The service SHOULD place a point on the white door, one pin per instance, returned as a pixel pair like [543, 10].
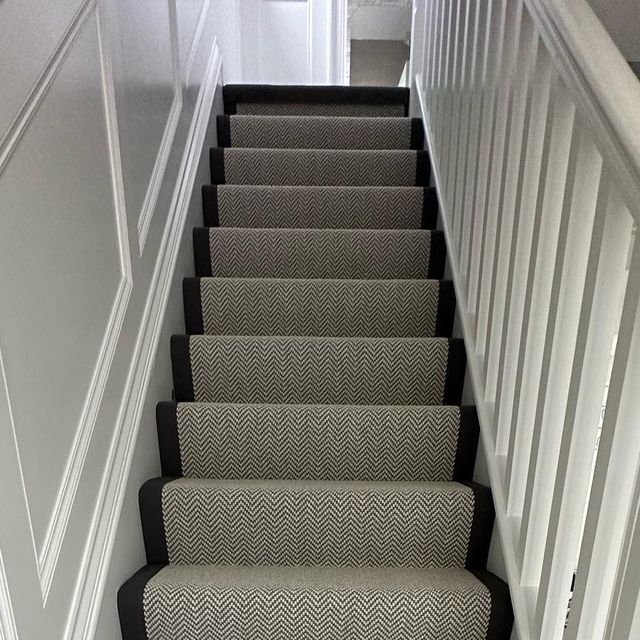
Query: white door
[291, 41]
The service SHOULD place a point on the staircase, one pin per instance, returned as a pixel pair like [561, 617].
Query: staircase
[317, 463]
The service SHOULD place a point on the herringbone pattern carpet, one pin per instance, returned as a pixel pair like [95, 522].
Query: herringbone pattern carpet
[263, 206]
[316, 469]
[306, 370]
[312, 307]
[317, 442]
[282, 603]
[315, 523]
[309, 132]
[320, 167]
[320, 253]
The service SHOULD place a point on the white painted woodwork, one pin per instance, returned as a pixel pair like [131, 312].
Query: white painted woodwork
[531, 115]
[104, 111]
[292, 41]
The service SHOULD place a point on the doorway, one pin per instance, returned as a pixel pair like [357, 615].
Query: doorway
[378, 42]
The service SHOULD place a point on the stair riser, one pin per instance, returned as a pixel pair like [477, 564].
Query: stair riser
[319, 167]
[264, 307]
[298, 442]
[263, 206]
[304, 132]
[323, 101]
[315, 524]
[419, 371]
[324, 253]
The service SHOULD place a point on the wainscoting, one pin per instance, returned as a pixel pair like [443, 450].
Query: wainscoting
[102, 123]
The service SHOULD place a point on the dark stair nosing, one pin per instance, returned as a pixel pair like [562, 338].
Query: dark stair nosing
[168, 439]
[456, 368]
[430, 208]
[181, 366]
[131, 603]
[437, 255]
[446, 309]
[234, 93]
[192, 297]
[481, 526]
[501, 617]
[201, 252]
[216, 163]
[151, 517]
[210, 215]
[467, 446]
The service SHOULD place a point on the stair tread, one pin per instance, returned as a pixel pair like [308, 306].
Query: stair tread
[321, 602]
[316, 522]
[319, 253]
[295, 206]
[319, 132]
[330, 307]
[324, 577]
[319, 166]
[339, 442]
[309, 369]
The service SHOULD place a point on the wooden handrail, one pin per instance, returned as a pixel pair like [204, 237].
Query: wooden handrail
[603, 83]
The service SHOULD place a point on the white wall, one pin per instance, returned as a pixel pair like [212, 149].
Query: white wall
[622, 20]
[289, 41]
[103, 115]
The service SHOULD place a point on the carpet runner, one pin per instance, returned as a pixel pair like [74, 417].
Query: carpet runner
[317, 464]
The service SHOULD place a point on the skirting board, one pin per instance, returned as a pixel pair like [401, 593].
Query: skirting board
[85, 608]
[518, 594]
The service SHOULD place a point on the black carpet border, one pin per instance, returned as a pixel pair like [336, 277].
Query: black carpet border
[501, 618]
[417, 134]
[437, 254]
[429, 208]
[131, 603]
[181, 365]
[481, 526]
[216, 162]
[153, 532]
[192, 298]
[223, 124]
[423, 169]
[232, 94]
[467, 447]
[201, 252]
[454, 378]
[210, 213]
[168, 440]
[446, 309]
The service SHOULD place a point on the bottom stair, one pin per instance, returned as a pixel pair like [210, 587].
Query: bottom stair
[189, 602]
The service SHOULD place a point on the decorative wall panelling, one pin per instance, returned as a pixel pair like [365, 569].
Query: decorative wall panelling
[81, 311]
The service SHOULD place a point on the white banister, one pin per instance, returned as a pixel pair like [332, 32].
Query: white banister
[533, 123]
